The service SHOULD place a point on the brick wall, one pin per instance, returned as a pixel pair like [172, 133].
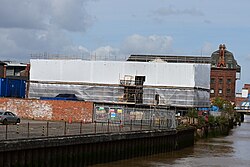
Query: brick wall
[49, 109]
[228, 88]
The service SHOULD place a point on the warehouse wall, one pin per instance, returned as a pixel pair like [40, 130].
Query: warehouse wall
[49, 109]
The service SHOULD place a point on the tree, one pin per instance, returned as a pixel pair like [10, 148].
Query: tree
[192, 113]
[219, 102]
[226, 108]
[224, 105]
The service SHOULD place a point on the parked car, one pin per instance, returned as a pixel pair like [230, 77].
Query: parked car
[7, 117]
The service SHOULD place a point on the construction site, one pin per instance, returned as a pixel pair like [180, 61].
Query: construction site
[124, 89]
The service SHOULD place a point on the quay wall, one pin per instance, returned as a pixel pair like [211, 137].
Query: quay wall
[51, 110]
[85, 150]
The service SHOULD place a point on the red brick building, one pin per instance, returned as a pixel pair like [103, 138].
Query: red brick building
[224, 73]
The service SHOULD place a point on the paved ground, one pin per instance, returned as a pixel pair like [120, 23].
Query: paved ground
[34, 128]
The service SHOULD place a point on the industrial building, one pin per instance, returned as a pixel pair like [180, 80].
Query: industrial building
[224, 73]
[123, 82]
[125, 90]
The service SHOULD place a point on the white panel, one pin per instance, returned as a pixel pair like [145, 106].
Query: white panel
[44, 69]
[245, 93]
[107, 72]
[110, 72]
[202, 76]
[75, 71]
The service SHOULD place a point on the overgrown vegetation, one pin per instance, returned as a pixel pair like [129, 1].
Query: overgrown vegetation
[226, 120]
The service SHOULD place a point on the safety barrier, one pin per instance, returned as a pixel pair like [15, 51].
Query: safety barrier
[34, 129]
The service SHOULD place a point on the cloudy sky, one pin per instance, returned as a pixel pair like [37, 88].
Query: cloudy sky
[117, 28]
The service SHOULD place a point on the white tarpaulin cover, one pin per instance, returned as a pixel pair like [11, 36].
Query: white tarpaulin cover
[177, 84]
[110, 72]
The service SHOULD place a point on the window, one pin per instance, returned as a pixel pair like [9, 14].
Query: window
[220, 91]
[228, 91]
[220, 81]
[212, 91]
[228, 81]
[10, 72]
[212, 80]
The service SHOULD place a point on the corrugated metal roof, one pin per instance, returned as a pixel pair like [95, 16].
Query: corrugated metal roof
[169, 58]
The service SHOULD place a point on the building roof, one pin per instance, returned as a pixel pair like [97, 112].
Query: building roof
[169, 58]
[230, 62]
[2, 63]
[13, 64]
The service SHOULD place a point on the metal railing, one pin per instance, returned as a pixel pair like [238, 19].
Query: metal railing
[37, 129]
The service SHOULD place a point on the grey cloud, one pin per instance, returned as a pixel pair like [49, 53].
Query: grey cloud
[41, 14]
[20, 43]
[107, 52]
[22, 14]
[8, 47]
[167, 11]
[70, 16]
[147, 44]
[39, 40]
[135, 44]
[37, 26]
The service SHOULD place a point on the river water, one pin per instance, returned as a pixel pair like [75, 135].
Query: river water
[229, 151]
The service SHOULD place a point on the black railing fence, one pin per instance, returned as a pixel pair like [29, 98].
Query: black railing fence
[35, 129]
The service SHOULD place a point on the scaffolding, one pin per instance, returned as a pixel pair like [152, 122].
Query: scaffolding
[132, 94]
[147, 83]
[133, 88]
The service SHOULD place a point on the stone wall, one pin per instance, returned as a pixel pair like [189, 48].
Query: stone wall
[53, 110]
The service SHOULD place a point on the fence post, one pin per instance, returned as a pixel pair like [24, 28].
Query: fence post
[43, 133]
[153, 122]
[28, 129]
[131, 125]
[17, 129]
[65, 126]
[141, 125]
[159, 123]
[81, 127]
[95, 126]
[108, 126]
[6, 131]
[150, 124]
[47, 129]
[120, 127]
